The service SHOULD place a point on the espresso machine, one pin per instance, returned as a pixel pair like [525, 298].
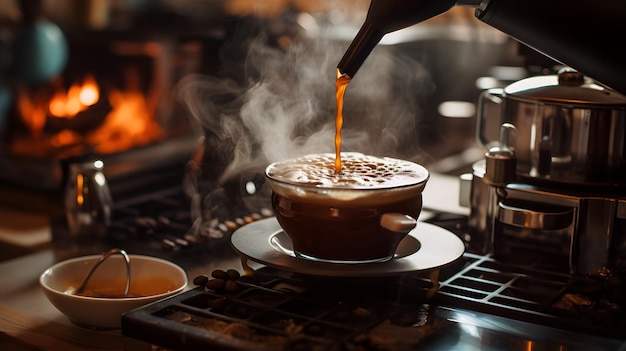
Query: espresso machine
[552, 184]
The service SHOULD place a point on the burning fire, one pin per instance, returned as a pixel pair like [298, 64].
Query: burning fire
[129, 121]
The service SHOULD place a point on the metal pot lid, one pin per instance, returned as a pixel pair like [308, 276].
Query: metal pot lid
[568, 87]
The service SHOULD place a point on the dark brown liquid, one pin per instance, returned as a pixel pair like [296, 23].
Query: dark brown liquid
[340, 91]
[341, 234]
[114, 287]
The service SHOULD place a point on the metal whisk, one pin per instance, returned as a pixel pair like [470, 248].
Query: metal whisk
[102, 258]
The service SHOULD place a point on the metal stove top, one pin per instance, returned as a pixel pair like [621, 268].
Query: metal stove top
[481, 303]
[277, 310]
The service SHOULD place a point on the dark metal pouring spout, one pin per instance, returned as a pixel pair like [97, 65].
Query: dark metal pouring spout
[360, 48]
[385, 16]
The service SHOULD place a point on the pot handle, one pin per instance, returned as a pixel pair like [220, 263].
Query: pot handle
[398, 222]
[489, 102]
[525, 218]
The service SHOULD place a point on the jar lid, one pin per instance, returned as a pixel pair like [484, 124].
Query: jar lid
[568, 87]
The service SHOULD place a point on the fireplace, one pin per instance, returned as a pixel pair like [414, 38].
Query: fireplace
[115, 100]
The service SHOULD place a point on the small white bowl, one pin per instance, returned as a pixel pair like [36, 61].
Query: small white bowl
[152, 278]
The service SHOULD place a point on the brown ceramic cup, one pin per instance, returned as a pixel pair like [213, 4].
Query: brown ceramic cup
[359, 215]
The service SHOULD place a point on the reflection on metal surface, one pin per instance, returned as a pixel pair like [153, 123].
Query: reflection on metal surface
[480, 331]
[528, 218]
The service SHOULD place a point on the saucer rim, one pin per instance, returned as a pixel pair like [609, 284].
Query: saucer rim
[253, 241]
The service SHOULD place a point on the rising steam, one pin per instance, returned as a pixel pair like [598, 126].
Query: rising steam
[275, 99]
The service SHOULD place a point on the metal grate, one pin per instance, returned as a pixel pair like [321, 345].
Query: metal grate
[276, 310]
[161, 223]
[523, 293]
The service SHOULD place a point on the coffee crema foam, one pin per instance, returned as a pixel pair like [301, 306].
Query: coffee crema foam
[358, 171]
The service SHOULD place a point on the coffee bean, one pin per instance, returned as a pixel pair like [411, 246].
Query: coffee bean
[215, 284]
[219, 274]
[233, 274]
[200, 280]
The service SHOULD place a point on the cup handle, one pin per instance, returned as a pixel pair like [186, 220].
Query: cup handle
[398, 222]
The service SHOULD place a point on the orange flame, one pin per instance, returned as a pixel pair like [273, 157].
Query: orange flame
[78, 98]
[129, 123]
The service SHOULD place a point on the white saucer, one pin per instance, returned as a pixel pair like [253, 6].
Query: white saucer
[426, 247]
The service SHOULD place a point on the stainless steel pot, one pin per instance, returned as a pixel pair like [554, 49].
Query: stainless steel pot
[567, 129]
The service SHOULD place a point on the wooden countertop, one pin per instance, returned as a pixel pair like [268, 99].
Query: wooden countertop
[22, 232]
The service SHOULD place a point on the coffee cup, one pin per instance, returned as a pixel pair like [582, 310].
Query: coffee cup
[357, 215]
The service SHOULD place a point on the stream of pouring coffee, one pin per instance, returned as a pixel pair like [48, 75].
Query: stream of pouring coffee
[341, 85]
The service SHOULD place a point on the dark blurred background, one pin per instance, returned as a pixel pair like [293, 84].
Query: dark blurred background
[148, 85]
